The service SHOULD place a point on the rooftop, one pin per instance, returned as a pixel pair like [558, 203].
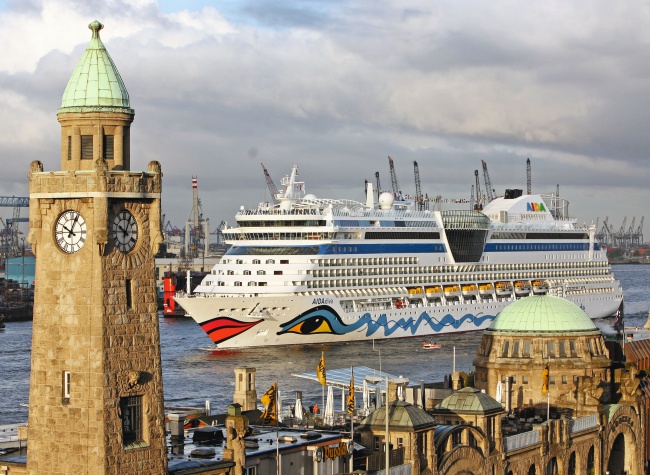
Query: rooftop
[402, 415]
[469, 401]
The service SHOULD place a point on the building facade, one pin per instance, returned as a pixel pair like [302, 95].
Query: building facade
[547, 400]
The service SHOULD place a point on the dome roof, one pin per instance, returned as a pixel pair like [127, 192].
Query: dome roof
[469, 401]
[542, 313]
[402, 415]
[95, 84]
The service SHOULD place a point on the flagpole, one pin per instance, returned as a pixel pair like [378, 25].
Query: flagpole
[352, 421]
[322, 388]
[278, 467]
[548, 390]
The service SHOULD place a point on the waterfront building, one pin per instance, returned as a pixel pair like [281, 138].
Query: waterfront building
[542, 356]
[96, 399]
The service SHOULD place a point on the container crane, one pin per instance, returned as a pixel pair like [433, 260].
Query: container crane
[393, 178]
[272, 189]
[10, 245]
[637, 237]
[488, 184]
[528, 179]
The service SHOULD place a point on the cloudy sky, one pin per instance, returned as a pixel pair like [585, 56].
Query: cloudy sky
[219, 87]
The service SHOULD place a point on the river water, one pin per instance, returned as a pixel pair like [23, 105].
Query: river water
[193, 373]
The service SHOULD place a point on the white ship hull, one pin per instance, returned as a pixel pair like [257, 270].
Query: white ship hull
[306, 270]
[301, 316]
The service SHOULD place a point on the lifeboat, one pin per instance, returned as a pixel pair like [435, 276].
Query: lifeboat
[503, 288]
[522, 288]
[540, 287]
[427, 345]
[469, 290]
[485, 289]
[452, 291]
[415, 292]
[434, 292]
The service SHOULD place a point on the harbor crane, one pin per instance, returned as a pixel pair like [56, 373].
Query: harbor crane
[272, 189]
[9, 240]
[478, 205]
[528, 179]
[221, 242]
[488, 184]
[197, 229]
[393, 178]
[419, 199]
[378, 185]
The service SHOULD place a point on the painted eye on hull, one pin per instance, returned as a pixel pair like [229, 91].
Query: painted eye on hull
[317, 320]
[315, 324]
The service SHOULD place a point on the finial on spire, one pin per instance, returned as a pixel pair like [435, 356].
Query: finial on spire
[95, 26]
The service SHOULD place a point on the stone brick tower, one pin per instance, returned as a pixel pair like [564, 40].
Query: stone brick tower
[245, 393]
[96, 397]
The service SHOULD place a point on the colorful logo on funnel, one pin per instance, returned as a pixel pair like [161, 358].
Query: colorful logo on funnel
[535, 207]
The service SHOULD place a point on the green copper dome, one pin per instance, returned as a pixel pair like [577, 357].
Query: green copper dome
[469, 401]
[96, 85]
[542, 313]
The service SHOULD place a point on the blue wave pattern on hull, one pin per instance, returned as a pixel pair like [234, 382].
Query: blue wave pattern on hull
[323, 319]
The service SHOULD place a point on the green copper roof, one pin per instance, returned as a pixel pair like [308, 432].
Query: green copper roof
[95, 84]
[402, 415]
[469, 401]
[542, 313]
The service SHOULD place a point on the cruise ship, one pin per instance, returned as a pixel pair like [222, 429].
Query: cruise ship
[307, 270]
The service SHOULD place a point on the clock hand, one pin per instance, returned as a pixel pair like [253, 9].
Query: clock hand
[70, 232]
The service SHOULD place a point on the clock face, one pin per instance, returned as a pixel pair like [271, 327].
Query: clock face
[125, 231]
[70, 231]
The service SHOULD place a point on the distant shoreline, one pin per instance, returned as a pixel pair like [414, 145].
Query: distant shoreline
[629, 261]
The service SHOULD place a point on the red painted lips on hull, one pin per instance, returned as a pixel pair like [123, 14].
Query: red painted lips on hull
[223, 328]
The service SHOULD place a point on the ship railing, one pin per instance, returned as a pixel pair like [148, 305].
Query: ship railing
[281, 212]
[366, 213]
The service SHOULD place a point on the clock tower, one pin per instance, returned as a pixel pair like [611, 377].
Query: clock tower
[96, 395]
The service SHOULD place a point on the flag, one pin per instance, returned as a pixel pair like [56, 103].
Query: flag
[268, 400]
[320, 370]
[351, 394]
[545, 379]
[619, 321]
